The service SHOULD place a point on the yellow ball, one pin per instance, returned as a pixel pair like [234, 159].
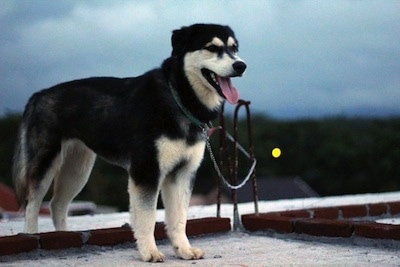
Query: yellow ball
[276, 152]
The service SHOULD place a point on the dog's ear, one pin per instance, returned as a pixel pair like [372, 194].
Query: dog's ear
[179, 40]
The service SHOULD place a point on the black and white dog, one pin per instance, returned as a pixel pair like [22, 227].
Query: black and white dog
[151, 125]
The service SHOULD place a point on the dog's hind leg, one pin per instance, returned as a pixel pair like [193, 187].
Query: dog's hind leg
[77, 163]
[143, 203]
[36, 192]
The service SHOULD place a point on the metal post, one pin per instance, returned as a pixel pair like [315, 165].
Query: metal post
[233, 168]
[252, 157]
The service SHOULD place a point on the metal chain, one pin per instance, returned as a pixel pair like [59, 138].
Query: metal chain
[216, 167]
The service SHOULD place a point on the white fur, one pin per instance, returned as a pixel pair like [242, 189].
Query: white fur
[171, 152]
[176, 192]
[70, 171]
[143, 218]
[20, 164]
[216, 41]
[36, 195]
[77, 163]
[231, 41]
[205, 91]
[22, 168]
[199, 59]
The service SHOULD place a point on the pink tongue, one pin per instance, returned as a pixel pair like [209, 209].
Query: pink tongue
[230, 92]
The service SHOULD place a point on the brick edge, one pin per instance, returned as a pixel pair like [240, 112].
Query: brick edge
[330, 221]
[101, 237]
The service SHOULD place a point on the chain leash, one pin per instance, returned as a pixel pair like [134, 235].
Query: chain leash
[216, 167]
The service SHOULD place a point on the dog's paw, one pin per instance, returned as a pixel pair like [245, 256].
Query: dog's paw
[153, 256]
[189, 253]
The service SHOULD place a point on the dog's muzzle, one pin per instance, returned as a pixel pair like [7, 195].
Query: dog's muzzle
[239, 67]
[223, 85]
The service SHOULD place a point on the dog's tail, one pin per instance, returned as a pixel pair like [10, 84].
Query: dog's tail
[19, 169]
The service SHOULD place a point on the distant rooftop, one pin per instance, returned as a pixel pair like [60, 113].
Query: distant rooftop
[274, 188]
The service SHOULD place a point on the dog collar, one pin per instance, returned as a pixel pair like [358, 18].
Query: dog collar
[188, 114]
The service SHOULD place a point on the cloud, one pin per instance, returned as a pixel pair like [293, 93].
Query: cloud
[326, 59]
[305, 58]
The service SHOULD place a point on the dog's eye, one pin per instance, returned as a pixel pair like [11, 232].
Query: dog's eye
[213, 48]
[234, 49]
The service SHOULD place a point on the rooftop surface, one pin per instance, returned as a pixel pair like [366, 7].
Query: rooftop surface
[239, 248]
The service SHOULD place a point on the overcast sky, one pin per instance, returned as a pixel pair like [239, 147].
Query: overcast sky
[305, 58]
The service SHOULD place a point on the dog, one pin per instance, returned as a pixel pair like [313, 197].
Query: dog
[152, 126]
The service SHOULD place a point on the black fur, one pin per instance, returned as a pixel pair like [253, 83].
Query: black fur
[120, 120]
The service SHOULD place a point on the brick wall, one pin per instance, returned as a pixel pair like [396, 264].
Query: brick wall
[331, 221]
[101, 237]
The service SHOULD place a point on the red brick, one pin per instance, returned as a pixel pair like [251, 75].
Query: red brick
[377, 209]
[159, 231]
[18, 243]
[209, 225]
[377, 230]
[326, 213]
[296, 213]
[274, 213]
[394, 207]
[262, 222]
[324, 227]
[60, 240]
[352, 211]
[110, 236]
[195, 227]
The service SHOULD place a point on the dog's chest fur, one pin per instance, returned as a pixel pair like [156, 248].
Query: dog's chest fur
[178, 152]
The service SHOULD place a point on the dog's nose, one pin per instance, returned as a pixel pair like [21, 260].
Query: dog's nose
[239, 67]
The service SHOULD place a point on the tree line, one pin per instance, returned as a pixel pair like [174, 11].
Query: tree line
[336, 155]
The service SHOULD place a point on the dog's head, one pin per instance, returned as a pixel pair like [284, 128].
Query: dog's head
[210, 56]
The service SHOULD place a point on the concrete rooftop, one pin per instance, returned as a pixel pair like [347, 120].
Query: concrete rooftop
[240, 248]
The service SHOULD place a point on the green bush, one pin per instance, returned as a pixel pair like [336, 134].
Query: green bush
[335, 156]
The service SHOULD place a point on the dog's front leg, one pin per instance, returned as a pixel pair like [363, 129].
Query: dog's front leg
[176, 194]
[143, 218]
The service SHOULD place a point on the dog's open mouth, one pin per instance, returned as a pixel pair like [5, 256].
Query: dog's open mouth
[223, 85]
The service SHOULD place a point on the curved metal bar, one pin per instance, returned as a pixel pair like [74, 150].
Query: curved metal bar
[233, 166]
